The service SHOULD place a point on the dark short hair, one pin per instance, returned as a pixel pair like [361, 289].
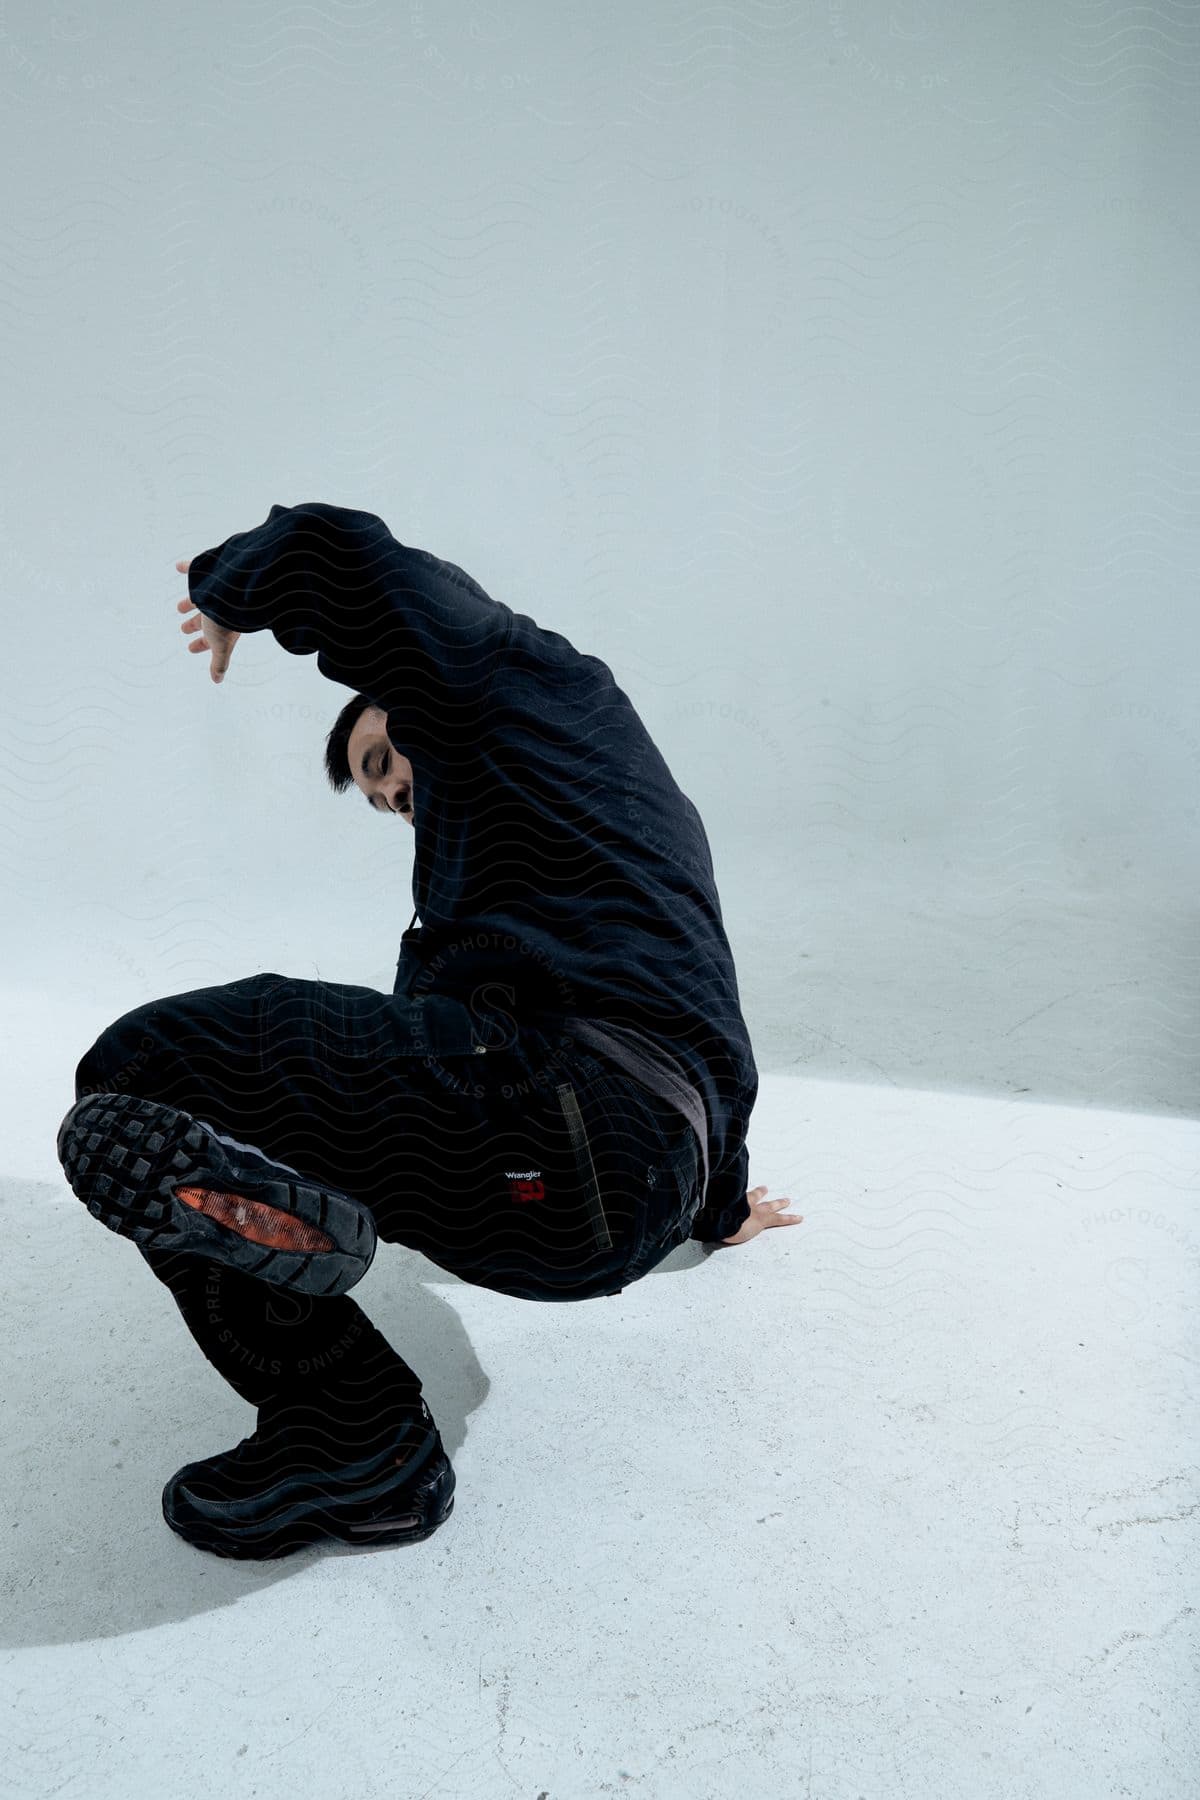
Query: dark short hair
[337, 755]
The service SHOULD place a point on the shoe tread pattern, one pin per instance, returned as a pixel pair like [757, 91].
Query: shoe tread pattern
[125, 1156]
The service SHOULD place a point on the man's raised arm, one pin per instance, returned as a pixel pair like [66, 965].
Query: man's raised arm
[397, 623]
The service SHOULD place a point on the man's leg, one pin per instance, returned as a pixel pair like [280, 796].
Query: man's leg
[529, 1168]
[208, 1052]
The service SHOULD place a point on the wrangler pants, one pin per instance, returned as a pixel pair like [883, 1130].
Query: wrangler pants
[534, 1167]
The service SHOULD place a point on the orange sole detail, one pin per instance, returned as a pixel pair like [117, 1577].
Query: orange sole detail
[252, 1220]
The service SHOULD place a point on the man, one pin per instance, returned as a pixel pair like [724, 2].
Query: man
[554, 1095]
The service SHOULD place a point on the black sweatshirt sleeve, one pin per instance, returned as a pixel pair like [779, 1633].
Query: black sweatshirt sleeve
[726, 1207]
[415, 633]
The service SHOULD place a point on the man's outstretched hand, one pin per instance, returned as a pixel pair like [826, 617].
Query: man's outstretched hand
[762, 1214]
[215, 637]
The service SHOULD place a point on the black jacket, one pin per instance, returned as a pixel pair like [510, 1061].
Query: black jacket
[559, 869]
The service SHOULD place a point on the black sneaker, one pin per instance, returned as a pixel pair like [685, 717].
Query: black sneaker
[172, 1182]
[287, 1486]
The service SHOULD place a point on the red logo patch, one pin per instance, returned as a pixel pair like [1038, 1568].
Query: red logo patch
[524, 1191]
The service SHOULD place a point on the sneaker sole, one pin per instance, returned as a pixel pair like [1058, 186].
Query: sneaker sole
[170, 1182]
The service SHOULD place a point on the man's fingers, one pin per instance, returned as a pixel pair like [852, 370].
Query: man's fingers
[195, 625]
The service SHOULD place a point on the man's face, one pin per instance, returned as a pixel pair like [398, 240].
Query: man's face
[378, 768]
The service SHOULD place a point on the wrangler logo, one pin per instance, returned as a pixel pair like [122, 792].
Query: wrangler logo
[525, 1185]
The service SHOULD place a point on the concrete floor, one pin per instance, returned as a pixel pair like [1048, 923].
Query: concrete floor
[897, 1502]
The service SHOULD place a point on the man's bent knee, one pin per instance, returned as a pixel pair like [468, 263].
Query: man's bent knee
[121, 1058]
[117, 1059]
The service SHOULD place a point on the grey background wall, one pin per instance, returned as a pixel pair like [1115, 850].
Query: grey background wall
[829, 371]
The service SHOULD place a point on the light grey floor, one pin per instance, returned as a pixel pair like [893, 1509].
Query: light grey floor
[901, 1501]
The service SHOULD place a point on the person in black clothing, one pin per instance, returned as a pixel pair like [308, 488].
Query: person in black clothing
[555, 1094]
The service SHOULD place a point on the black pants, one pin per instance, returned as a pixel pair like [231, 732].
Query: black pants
[534, 1167]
